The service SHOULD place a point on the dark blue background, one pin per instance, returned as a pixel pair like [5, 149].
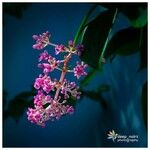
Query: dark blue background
[89, 125]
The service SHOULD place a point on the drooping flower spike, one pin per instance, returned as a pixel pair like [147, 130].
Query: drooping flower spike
[46, 106]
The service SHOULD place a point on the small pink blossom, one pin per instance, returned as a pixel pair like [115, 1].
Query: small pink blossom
[48, 67]
[41, 99]
[48, 85]
[70, 110]
[41, 40]
[51, 64]
[59, 48]
[71, 43]
[70, 88]
[79, 70]
[45, 83]
[44, 56]
[35, 116]
[80, 49]
[38, 82]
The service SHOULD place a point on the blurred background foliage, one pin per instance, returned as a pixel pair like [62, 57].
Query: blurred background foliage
[94, 33]
[125, 42]
[15, 9]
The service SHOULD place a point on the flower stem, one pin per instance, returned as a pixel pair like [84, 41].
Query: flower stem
[64, 70]
[108, 37]
[58, 89]
[52, 44]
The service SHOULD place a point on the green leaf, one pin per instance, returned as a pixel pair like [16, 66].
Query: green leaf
[16, 108]
[135, 12]
[141, 20]
[88, 78]
[96, 96]
[95, 37]
[71, 101]
[84, 21]
[124, 42]
[18, 105]
[144, 103]
[144, 48]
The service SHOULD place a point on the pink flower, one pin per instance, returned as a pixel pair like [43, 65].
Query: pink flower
[59, 48]
[38, 46]
[47, 67]
[41, 40]
[55, 110]
[44, 56]
[80, 49]
[48, 85]
[79, 70]
[70, 88]
[70, 110]
[51, 65]
[35, 116]
[45, 83]
[40, 99]
[38, 82]
[71, 43]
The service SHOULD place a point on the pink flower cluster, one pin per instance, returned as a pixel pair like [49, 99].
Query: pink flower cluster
[55, 109]
[48, 106]
[41, 40]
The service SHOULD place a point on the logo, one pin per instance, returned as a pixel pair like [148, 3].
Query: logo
[112, 135]
[115, 137]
